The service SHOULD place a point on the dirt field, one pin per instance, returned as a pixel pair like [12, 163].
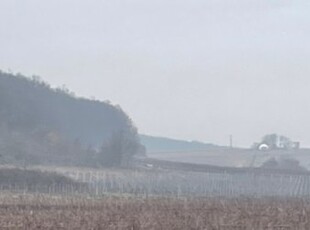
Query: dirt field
[47, 212]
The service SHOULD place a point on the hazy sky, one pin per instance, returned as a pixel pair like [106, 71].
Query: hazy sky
[199, 69]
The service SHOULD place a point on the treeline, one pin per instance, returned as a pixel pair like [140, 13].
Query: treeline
[43, 125]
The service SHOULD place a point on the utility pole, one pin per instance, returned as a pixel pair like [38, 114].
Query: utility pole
[231, 141]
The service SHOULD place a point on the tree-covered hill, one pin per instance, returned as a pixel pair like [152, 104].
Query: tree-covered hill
[42, 125]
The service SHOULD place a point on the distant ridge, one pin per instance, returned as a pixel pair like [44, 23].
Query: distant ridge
[164, 144]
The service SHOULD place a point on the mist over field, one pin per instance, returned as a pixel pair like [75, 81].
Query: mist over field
[131, 114]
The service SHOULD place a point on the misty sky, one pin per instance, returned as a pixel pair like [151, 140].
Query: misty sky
[199, 69]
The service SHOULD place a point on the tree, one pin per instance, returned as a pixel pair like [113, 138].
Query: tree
[288, 164]
[271, 140]
[285, 142]
[275, 141]
[120, 148]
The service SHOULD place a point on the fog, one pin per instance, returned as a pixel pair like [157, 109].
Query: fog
[191, 70]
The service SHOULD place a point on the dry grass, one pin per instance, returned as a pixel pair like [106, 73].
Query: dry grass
[47, 212]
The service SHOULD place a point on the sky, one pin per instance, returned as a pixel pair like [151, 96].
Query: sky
[194, 70]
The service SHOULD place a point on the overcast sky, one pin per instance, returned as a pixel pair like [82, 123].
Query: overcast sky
[195, 70]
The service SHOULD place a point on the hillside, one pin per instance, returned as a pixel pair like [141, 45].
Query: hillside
[162, 144]
[42, 125]
[236, 157]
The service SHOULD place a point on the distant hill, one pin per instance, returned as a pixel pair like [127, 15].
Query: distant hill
[42, 125]
[162, 144]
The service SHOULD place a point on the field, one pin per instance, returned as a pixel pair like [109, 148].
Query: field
[162, 182]
[111, 212]
[156, 198]
[234, 157]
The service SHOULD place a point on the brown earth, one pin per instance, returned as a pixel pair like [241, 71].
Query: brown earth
[46, 212]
